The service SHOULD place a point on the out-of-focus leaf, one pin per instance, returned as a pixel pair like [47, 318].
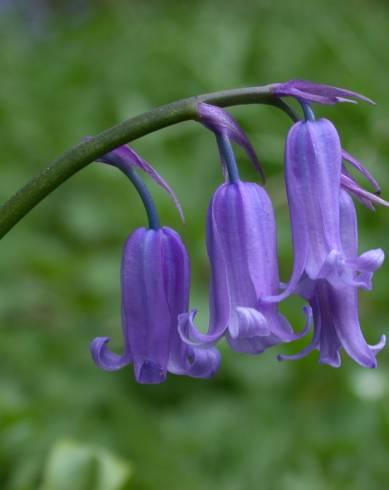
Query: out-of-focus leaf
[76, 466]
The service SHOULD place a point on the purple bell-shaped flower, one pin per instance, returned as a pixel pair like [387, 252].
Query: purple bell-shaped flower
[313, 175]
[242, 250]
[335, 310]
[155, 282]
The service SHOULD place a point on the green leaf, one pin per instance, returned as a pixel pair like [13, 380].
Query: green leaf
[72, 465]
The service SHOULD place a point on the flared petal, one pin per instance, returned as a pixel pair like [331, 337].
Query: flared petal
[344, 320]
[357, 272]
[335, 304]
[314, 344]
[221, 122]
[125, 157]
[368, 261]
[104, 358]
[204, 363]
[336, 326]
[379, 345]
[191, 335]
[316, 92]
[278, 331]
[204, 360]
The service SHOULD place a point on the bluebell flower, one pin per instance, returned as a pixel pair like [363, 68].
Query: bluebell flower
[335, 310]
[242, 250]
[313, 176]
[155, 281]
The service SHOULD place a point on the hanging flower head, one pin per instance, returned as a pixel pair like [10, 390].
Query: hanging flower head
[313, 176]
[335, 310]
[155, 280]
[242, 250]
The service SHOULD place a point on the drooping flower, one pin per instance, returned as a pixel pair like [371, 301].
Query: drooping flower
[155, 279]
[307, 91]
[313, 164]
[335, 310]
[242, 249]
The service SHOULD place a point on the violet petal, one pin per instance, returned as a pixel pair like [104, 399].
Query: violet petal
[316, 92]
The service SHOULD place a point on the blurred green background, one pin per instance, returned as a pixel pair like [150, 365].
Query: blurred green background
[75, 68]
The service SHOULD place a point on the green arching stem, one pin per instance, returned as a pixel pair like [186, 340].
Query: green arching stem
[13, 210]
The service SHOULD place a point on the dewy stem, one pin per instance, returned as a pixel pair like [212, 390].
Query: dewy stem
[86, 152]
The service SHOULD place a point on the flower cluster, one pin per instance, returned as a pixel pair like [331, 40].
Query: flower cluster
[159, 332]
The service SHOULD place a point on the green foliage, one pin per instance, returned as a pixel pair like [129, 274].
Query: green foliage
[79, 467]
[258, 423]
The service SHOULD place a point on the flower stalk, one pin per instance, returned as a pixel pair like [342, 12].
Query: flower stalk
[78, 157]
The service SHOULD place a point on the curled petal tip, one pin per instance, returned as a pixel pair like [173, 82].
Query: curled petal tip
[379, 346]
[204, 362]
[307, 310]
[106, 359]
[370, 261]
[194, 337]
